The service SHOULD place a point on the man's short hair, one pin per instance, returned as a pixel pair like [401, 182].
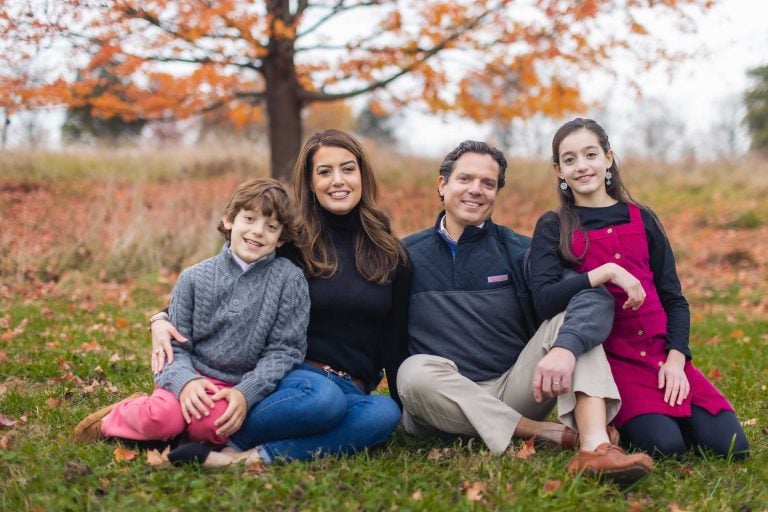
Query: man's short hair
[473, 146]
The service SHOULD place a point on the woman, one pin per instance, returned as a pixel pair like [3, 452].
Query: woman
[359, 283]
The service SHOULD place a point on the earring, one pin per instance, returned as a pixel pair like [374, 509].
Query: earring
[608, 176]
[563, 185]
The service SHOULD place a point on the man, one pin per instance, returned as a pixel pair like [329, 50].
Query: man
[482, 363]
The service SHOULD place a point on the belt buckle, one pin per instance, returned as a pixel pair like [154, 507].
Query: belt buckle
[340, 373]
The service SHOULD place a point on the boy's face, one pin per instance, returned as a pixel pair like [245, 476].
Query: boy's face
[253, 235]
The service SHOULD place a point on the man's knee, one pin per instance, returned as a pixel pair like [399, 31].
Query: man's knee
[416, 377]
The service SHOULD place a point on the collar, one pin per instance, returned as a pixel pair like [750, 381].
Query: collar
[444, 232]
[244, 266]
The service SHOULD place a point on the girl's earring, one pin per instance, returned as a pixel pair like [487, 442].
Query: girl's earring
[608, 176]
[563, 185]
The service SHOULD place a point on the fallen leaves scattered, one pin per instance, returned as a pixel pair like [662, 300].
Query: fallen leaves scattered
[552, 485]
[715, 375]
[6, 422]
[53, 402]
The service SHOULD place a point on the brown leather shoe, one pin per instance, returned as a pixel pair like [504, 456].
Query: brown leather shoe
[89, 430]
[570, 439]
[611, 462]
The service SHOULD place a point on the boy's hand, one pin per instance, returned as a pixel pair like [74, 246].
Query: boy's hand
[234, 415]
[163, 332]
[195, 398]
[673, 380]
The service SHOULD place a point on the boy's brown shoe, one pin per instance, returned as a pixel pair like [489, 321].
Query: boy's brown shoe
[89, 430]
[609, 461]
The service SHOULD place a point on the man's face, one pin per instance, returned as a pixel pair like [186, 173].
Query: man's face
[469, 192]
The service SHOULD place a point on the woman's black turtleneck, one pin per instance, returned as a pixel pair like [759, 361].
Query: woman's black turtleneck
[355, 325]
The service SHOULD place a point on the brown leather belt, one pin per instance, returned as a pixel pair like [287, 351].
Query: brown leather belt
[326, 368]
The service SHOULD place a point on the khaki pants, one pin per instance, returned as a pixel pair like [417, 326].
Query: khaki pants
[437, 398]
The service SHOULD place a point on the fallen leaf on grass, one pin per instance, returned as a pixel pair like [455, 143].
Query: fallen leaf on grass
[93, 346]
[736, 333]
[439, 453]
[552, 485]
[156, 458]
[674, 508]
[4, 357]
[526, 451]
[122, 323]
[6, 422]
[474, 490]
[124, 454]
[53, 402]
[749, 422]
[639, 504]
[5, 441]
[714, 374]
[416, 496]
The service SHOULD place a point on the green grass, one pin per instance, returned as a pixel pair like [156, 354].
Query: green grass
[86, 348]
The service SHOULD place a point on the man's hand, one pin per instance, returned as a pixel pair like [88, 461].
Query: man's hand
[554, 374]
[162, 333]
[195, 400]
[234, 415]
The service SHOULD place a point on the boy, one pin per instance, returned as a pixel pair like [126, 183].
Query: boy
[244, 313]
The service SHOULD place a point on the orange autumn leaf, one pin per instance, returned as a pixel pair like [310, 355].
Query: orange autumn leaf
[527, 450]
[552, 485]
[124, 454]
[737, 333]
[417, 495]
[715, 375]
[4, 357]
[122, 323]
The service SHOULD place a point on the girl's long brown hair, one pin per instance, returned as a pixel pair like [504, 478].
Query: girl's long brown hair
[567, 214]
[377, 250]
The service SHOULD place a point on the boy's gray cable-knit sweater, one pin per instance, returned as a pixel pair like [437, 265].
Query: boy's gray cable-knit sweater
[246, 328]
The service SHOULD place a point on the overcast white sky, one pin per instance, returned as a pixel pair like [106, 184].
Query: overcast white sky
[731, 38]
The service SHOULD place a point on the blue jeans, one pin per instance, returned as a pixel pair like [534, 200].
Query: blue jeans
[313, 412]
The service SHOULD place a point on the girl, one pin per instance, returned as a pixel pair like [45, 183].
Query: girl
[359, 284]
[668, 406]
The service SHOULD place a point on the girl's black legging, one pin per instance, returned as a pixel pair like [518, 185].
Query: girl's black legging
[661, 435]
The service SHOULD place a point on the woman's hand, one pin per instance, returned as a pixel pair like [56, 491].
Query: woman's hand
[163, 332]
[232, 418]
[673, 380]
[619, 276]
[195, 399]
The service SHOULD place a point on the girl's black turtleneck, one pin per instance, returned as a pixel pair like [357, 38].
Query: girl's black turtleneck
[355, 325]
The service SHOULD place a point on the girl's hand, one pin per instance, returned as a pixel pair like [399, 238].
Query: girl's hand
[673, 380]
[619, 276]
[234, 415]
[162, 333]
[195, 399]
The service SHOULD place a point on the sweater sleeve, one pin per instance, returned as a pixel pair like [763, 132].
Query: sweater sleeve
[181, 310]
[394, 342]
[551, 293]
[662, 262]
[286, 342]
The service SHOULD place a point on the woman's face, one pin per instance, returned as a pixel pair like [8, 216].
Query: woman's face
[336, 179]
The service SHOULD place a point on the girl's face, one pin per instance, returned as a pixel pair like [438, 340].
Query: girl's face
[336, 179]
[583, 164]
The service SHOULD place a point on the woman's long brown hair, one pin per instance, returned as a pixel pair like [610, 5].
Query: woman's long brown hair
[377, 250]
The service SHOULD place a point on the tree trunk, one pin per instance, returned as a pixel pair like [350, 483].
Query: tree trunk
[284, 104]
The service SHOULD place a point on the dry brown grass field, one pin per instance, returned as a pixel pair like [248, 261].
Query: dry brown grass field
[101, 216]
